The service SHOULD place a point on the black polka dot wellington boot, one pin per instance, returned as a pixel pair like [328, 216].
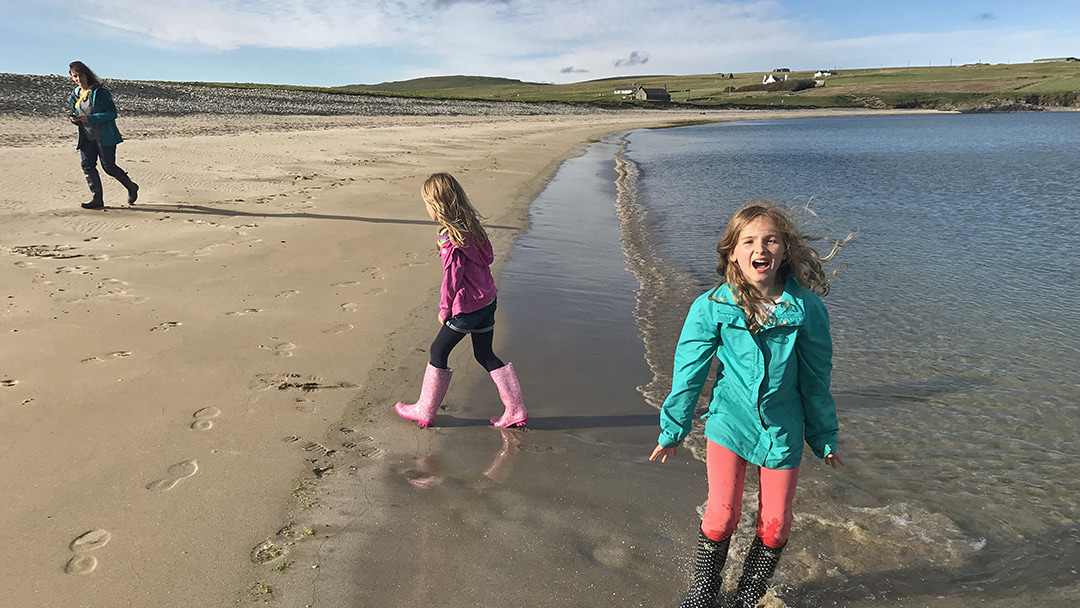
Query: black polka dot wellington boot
[711, 556]
[757, 570]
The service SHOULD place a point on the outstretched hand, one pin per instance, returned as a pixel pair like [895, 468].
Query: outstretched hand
[662, 453]
[832, 460]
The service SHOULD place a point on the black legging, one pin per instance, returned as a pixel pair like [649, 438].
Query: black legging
[481, 344]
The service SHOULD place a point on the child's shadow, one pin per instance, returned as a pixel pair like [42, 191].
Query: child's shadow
[560, 423]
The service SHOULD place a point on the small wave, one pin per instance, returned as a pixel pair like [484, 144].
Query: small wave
[665, 291]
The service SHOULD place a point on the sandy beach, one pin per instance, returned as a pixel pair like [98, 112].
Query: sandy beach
[196, 391]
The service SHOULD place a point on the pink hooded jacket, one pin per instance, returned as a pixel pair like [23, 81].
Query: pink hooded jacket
[467, 282]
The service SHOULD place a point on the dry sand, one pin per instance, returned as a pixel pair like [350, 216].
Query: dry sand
[177, 376]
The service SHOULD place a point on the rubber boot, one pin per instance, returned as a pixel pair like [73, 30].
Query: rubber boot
[132, 187]
[711, 556]
[94, 181]
[757, 570]
[436, 381]
[514, 413]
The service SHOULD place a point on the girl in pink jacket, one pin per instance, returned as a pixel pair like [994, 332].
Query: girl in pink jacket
[466, 305]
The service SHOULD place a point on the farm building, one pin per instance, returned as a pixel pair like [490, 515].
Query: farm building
[652, 94]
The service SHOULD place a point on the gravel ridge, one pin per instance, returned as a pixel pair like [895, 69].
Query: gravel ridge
[46, 96]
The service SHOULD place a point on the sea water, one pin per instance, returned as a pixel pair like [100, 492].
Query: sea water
[955, 318]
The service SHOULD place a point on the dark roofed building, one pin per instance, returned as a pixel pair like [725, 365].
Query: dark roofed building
[652, 94]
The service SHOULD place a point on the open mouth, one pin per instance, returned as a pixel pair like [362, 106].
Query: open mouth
[760, 264]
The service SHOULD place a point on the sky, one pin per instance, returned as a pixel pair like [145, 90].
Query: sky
[340, 42]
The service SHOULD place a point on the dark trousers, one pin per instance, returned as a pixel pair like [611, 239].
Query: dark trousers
[91, 152]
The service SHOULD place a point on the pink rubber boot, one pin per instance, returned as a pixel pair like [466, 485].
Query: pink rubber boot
[436, 381]
[510, 392]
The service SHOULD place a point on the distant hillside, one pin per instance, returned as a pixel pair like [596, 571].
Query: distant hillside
[435, 83]
[973, 88]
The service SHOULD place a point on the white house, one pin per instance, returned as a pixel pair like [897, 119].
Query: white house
[773, 78]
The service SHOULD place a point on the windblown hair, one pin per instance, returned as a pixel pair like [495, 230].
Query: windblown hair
[800, 259]
[445, 196]
[80, 68]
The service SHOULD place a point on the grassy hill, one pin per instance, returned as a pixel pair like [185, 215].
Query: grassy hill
[979, 86]
[975, 87]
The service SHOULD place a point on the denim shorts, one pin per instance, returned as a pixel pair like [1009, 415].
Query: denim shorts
[476, 322]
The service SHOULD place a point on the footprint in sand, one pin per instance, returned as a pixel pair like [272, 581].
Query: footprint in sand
[8, 382]
[74, 270]
[348, 307]
[288, 293]
[113, 283]
[246, 311]
[339, 329]
[318, 448]
[94, 539]
[166, 326]
[177, 472]
[119, 354]
[372, 452]
[82, 562]
[284, 349]
[203, 417]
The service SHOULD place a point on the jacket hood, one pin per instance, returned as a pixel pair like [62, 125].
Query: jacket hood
[480, 254]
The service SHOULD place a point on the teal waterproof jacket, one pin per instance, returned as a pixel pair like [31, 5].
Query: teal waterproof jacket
[772, 387]
[102, 117]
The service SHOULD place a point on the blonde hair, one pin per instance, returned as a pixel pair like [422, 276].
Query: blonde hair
[447, 199]
[800, 259]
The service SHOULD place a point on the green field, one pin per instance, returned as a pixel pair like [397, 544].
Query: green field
[967, 87]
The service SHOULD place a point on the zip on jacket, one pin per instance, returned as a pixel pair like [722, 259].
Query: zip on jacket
[772, 388]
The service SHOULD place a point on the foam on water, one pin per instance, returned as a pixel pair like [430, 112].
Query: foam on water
[955, 359]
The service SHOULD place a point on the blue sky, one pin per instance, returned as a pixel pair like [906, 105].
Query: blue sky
[338, 42]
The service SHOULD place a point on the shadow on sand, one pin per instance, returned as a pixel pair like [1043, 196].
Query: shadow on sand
[204, 210]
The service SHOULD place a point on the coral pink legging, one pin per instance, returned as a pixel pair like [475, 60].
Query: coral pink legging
[726, 473]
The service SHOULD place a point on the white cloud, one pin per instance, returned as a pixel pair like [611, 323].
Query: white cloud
[471, 36]
[538, 39]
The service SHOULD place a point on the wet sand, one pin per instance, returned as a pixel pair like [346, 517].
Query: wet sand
[195, 391]
[566, 512]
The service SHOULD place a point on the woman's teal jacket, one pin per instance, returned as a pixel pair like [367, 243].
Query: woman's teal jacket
[772, 388]
[102, 116]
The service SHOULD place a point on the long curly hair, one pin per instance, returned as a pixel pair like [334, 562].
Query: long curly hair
[447, 199]
[800, 259]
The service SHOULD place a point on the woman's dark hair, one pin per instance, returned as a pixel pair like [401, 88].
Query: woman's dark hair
[80, 67]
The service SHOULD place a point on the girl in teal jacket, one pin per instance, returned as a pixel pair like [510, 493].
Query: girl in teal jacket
[770, 334]
[91, 108]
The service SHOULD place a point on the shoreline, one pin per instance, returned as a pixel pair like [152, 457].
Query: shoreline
[231, 339]
[189, 360]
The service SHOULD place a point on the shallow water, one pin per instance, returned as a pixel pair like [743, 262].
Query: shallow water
[955, 369]
[961, 482]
